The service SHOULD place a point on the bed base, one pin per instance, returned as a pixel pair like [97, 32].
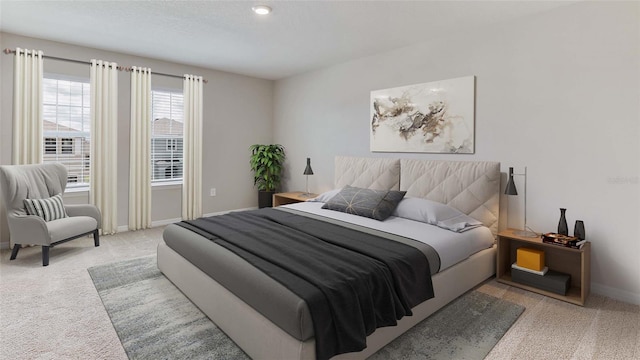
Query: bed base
[261, 339]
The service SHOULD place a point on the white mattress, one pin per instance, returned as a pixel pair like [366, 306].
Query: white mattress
[451, 246]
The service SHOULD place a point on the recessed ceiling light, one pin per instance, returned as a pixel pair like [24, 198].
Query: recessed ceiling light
[261, 9]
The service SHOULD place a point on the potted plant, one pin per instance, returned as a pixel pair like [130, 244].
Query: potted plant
[266, 163]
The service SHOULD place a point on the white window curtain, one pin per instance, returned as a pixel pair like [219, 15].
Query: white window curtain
[104, 142]
[139, 150]
[27, 107]
[192, 167]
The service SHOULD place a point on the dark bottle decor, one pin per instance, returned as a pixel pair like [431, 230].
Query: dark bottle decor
[562, 224]
[578, 230]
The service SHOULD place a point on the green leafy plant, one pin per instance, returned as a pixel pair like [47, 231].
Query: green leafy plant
[266, 163]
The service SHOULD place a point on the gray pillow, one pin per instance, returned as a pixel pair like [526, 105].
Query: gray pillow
[325, 196]
[48, 209]
[375, 204]
[435, 213]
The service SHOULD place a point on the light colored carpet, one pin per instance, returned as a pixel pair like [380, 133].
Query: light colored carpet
[54, 312]
[155, 320]
[467, 328]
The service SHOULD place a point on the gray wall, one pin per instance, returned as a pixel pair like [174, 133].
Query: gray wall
[557, 92]
[237, 113]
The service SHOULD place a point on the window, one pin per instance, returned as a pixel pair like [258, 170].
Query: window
[67, 126]
[172, 144]
[166, 136]
[50, 146]
[66, 146]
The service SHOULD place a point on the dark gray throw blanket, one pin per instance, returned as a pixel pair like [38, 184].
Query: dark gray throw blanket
[352, 282]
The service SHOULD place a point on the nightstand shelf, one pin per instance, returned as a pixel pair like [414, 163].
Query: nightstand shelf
[290, 198]
[575, 262]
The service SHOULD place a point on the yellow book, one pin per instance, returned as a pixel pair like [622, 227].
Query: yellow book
[530, 258]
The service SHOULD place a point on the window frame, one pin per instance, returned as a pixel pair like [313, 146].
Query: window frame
[72, 186]
[170, 144]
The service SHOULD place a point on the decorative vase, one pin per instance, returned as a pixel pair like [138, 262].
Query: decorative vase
[562, 224]
[578, 230]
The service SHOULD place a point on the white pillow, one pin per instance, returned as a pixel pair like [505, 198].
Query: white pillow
[435, 213]
[325, 196]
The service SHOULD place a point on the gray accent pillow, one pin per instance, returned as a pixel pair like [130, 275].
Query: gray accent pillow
[48, 209]
[375, 204]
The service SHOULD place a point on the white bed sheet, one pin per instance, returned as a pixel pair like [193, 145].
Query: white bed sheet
[452, 247]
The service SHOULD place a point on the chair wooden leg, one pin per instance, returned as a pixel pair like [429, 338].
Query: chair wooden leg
[45, 256]
[96, 238]
[14, 252]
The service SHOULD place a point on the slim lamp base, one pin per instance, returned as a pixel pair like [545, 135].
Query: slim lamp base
[307, 194]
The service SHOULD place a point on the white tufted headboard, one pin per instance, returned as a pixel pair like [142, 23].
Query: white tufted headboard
[472, 187]
[368, 173]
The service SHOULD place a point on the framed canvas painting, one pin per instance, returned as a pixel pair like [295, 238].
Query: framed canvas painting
[434, 117]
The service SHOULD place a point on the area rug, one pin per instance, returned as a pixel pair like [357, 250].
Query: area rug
[154, 320]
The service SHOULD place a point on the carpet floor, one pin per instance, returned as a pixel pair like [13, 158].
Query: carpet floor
[153, 319]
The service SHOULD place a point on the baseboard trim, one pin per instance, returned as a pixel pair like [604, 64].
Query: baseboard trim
[228, 211]
[614, 293]
[123, 228]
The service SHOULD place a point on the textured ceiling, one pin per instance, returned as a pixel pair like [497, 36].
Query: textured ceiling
[298, 36]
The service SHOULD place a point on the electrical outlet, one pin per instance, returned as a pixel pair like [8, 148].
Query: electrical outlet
[212, 192]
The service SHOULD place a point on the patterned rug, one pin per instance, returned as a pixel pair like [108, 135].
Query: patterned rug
[154, 320]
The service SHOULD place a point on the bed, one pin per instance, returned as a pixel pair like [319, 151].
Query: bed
[236, 305]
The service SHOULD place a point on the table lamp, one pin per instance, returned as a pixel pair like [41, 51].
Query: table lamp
[308, 171]
[511, 190]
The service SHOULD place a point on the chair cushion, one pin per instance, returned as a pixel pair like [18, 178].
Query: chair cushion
[49, 209]
[65, 228]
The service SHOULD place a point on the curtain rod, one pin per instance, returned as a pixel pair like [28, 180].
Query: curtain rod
[121, 68]
[130, 69]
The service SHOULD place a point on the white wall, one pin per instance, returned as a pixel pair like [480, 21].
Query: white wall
[557, 92]
[237, 113]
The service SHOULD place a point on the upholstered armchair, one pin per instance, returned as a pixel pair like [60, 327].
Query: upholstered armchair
[39, 182]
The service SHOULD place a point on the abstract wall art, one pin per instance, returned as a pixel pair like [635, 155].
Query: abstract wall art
[434, 117]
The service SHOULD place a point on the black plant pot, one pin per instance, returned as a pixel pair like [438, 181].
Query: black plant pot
[265, 199]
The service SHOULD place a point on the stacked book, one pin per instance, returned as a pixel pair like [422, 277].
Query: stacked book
[537, 272]
[563, 240]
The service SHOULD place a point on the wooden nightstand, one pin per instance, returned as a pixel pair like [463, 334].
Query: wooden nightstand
[575, 262]
[290, 198]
